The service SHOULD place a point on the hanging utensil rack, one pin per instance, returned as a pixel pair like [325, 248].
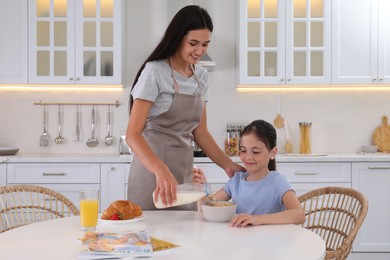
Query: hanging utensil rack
[40, 103]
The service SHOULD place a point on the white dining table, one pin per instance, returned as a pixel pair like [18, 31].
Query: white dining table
[197, 239]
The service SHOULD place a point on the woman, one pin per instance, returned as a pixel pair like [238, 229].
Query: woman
[168, 112]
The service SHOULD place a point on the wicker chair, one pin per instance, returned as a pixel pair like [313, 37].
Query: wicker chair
[335, 214]
[25, 204]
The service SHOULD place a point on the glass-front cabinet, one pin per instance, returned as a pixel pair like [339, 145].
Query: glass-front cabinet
[75, 41]
[285, 42]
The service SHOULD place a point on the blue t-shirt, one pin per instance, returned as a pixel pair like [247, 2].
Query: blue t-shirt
[262, 196]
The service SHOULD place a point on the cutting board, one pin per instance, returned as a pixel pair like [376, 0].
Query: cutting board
[381, 136]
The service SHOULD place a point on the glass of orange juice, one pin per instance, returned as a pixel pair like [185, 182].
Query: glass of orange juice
[89, 208]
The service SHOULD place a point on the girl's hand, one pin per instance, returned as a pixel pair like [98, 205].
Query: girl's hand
[243, 220]
[198, 176]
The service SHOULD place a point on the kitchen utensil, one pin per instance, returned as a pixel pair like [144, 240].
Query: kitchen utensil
[288, 145]
[77, 131]
[381, 136]
[93, 142]
[44, 140]
[59, 139]
[109, 139]
[279, 121]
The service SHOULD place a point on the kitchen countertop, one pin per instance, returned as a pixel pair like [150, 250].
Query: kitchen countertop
[66, 158]
[116, 158]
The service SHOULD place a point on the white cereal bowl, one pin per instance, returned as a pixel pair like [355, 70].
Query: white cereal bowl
[219, 211]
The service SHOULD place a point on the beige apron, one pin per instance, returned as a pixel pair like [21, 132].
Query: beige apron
[170, 137]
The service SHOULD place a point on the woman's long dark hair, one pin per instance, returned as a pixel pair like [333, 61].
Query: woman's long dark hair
[266, 133]
[189, 18]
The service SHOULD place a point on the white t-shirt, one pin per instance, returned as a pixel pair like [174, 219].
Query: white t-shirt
[262, 196]
[156, 84]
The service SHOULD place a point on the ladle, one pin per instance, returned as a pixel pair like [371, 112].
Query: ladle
[92, 142]
[59, 139]
[109, 139]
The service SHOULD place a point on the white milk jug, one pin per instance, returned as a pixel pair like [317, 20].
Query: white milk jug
[185, 193]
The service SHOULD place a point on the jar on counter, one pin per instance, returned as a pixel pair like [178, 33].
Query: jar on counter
[305, 145]
[232, 140]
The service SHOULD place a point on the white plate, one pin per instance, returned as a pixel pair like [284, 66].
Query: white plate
[122, 222]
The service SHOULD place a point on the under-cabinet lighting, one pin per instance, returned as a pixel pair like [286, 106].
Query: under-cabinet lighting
[60, 88]
[311, 88]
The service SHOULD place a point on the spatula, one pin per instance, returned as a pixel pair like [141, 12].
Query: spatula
[45, 138]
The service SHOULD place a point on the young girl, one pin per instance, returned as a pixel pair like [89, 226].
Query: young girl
[263, 195]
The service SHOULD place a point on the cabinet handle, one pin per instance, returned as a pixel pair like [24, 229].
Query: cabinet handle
[379, 167]
[53, 174]
[113, 169]
[71, 79]
[306, 173]
[374, 79]
[288, 79]
[281, 79]
[78, 79]
[380, 79]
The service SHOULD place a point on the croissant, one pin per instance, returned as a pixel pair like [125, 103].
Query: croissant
[123, 208]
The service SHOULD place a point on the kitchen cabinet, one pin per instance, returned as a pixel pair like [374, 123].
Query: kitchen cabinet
[112, 183]
[305, 177]
[284, 42]
[76, 42]
[13, 43]
[361, 42]
[373, 179]
[3, 174]
[66, 178]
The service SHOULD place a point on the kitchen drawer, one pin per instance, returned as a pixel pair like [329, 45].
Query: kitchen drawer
[316, 172]
[302, 188]
[53, 173]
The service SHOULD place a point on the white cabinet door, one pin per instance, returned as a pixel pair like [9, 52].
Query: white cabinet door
[373, 180]
[361, 40]
[75, 42]
[13, 43]
[3, 174]
[112, 185]
[354, 39]
[384, 42]
[285, 42]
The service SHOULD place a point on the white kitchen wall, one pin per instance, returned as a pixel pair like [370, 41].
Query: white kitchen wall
[342, 121]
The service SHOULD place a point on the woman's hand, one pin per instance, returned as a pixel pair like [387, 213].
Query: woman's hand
[165, 188]
[231, 168]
